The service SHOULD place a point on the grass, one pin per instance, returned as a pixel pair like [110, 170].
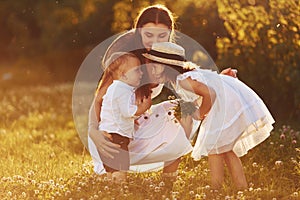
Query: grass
[42, 157]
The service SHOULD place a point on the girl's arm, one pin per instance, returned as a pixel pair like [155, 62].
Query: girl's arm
[207, 93]
[229, 72]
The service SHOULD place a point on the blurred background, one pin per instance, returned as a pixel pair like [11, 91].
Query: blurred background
[45, 42]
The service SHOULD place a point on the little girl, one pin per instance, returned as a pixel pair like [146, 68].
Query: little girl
[122, 75]
[234, 118]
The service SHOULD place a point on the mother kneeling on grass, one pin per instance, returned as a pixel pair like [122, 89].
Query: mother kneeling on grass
[159, 139]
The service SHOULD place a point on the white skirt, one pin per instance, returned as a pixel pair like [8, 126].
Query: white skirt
[158, 139]
[238, 120]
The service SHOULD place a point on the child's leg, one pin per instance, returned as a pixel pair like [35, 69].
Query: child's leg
[119, 176]
[116, 168]
[235, 168]
[216, 166]
[109, 175]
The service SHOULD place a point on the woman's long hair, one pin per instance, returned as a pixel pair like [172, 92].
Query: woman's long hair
[131, 41]
[157, 14]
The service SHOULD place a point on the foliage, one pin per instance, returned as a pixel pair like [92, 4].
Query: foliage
[263, 44]
[44, 158]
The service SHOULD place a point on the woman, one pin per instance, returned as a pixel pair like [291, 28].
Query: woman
[159, 138]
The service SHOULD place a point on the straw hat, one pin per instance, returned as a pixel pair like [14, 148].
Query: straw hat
[167, 53]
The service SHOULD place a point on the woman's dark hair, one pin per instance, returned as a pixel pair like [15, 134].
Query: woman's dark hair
[131, 41]
[157, 14]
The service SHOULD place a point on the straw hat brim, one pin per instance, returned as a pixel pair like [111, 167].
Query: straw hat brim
[164, 60]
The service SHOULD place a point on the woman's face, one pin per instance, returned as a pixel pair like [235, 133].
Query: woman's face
[152, 33]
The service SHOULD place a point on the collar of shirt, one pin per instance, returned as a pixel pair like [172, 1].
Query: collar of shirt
[124, 85]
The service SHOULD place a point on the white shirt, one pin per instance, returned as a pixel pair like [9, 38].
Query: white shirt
[118, 109]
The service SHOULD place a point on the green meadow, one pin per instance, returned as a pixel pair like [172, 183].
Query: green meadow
[42, 157]
[43, 43]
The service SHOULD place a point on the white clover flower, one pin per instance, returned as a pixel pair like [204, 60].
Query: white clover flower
[295, 194]
[278, 163]
[9, 193]
[240, 192]
[161, 184]
[157, 189]
[67, 193]
[258, 189]
[24, 195]
[254, 164]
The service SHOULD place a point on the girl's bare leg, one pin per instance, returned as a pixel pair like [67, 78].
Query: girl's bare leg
[216, 166]
[235, 168]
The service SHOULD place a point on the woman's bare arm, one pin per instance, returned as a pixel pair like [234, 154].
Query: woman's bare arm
[101, 138]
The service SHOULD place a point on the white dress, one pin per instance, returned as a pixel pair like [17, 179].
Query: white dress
[238, 120]
[158, 139]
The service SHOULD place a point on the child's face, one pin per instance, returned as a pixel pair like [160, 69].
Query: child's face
[157, 71]
[134, 73]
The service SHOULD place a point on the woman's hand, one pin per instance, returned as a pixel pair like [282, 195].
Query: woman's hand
[229, 72]
[103, 143]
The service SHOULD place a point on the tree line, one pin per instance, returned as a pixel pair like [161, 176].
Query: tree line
[259, 38]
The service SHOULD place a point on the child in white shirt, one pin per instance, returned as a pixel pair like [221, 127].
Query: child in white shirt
[121, 76]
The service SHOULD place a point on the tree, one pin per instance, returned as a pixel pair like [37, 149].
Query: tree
[264, 42]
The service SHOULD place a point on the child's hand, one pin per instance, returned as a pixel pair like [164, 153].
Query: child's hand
[147, 102]
[143, 105]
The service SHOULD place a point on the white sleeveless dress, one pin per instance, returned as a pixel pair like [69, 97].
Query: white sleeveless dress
[238, 120]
